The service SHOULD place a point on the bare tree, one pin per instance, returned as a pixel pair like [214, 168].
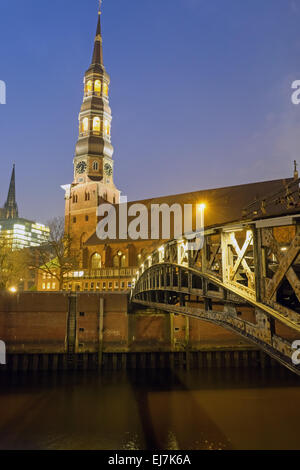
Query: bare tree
[55, 258]
[13, 265]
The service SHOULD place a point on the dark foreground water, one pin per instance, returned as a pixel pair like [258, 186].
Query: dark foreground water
[211, 409]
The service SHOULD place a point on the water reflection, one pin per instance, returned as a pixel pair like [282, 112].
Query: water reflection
[205, 409]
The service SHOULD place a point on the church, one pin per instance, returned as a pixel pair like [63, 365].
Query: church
[111, 265]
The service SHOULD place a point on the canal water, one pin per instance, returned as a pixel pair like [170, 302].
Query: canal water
[184, 410]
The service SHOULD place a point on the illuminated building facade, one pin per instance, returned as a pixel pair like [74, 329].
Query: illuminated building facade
[15, 231]
[21, 233]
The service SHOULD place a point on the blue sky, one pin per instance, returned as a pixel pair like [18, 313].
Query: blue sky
[200, 93]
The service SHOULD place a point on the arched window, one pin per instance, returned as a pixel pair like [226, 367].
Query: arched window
[89, 86]
[85, 125]
[96, 261]
[97, 87]
[105, 89]
[95, 166]
[96, 125]
[123, 261]
[116, 261]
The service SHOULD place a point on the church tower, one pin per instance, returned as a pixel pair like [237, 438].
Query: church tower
[93, 182]
[10, 210]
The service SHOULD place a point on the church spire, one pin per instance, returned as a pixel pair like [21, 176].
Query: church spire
[94, 151]
[11, 207]
[98, 47]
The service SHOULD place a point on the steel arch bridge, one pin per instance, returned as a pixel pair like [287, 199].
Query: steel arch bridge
[248, 266]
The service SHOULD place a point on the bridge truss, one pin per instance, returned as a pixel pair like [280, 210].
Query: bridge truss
[244, 278]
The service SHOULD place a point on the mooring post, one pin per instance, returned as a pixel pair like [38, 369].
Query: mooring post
[187, 343]
[101, 323]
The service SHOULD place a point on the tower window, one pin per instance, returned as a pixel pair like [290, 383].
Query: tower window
[96, 125]
[89, 86]
[86, 218]
[87, 196]
[98, 87]
[105, 89]
[74, 220]
[85, 125]
[95, 166]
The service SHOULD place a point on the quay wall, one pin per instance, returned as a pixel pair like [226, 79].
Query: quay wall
[94, 331]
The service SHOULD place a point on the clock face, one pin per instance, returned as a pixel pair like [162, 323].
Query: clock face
[81, 167]
[108, 169]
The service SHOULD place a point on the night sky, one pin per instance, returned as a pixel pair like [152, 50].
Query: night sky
[200, 93]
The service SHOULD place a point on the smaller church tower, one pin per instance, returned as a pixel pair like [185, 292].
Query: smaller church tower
[10, 210]
[93, 182]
